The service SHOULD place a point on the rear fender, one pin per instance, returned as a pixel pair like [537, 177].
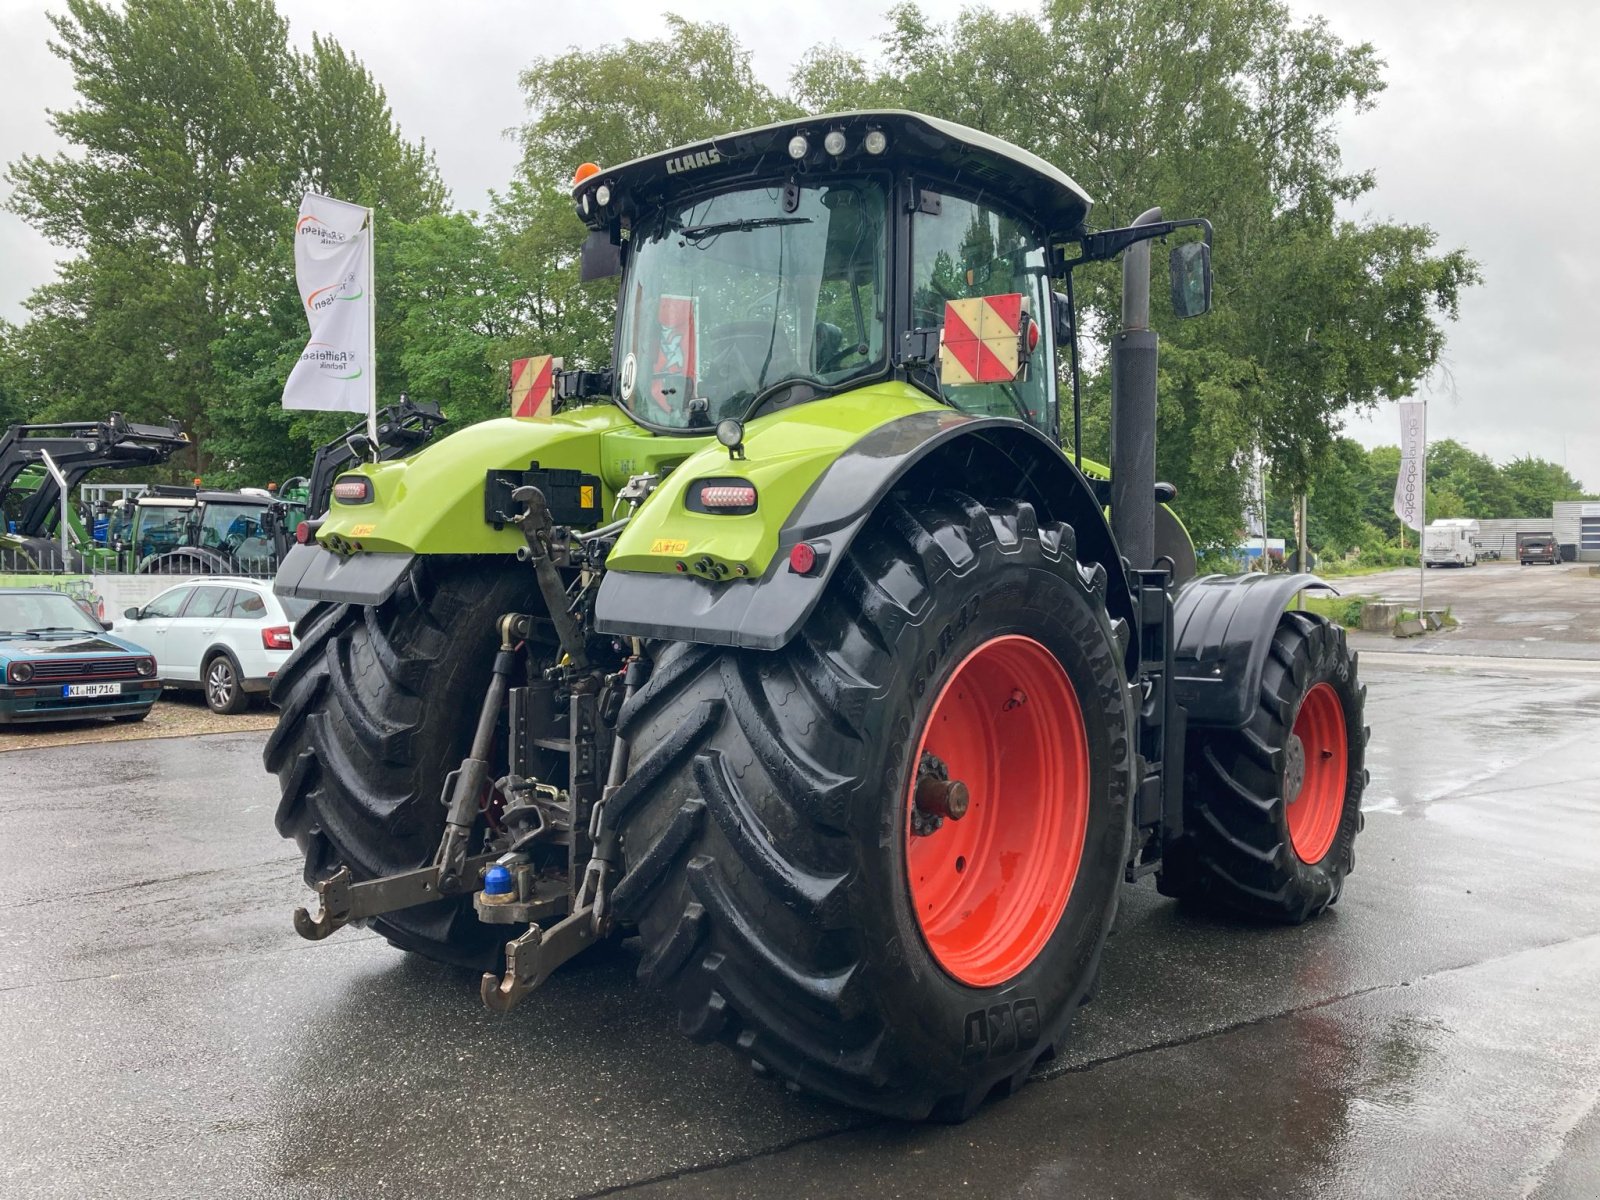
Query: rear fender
[988, 457]
[1222, 633]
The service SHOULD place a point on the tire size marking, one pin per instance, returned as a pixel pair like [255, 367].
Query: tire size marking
[999, 1030]
[953, 629]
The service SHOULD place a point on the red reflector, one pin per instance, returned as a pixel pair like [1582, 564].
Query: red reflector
[353, 489]
[727, 495]
[1033, 336]
[277, 637]
[302, 532]
[802, 559]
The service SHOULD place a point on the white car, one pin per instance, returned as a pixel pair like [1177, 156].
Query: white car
[226, 635]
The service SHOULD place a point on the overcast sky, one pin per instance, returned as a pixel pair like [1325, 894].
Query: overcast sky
[1487, 132]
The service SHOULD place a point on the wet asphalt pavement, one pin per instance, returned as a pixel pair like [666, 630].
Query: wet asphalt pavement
[164, 1032]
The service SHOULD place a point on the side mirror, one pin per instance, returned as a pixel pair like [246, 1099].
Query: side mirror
[1191, 279]
[106, 625]
[1061, 310]
[600, 258]
[133, 614]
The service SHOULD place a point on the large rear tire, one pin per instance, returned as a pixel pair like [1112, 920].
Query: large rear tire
[787, 904]
[376, 706]
[1271, 811]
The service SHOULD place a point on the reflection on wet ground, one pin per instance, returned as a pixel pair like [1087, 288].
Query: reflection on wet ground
[1437, 1034]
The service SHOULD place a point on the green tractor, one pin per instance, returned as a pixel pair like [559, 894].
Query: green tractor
[797, 646]
[41, 464]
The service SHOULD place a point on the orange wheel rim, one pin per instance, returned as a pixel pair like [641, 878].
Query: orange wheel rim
[1316, 808]
[989, 889]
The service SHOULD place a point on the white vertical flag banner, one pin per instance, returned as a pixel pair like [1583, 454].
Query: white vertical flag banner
[1408, 497]
[333, 266]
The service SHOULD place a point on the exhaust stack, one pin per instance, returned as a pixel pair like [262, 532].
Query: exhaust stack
[1133, 410]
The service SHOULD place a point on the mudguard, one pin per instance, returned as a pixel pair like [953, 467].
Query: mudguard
[312, 573]
[1222, 632]
[987, 455]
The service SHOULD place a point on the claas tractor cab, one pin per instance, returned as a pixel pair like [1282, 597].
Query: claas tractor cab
[797, 645]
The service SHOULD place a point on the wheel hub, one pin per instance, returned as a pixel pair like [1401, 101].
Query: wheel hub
[937, 796]
[1294, 769]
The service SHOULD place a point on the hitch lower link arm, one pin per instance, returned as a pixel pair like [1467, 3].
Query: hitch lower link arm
[343, 899]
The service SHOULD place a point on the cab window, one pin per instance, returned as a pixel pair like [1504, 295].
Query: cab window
[968, 250]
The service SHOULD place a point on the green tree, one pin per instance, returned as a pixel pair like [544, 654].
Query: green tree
[1223, 108]
[1534, 485]
[606, 106]
[196, 130]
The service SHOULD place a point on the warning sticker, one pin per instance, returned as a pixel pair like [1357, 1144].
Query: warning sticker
[363, 530]
[586, 496]
[668, 546]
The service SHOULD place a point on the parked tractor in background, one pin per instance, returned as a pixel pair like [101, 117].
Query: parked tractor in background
[42, 464]
[194, 531]
[795, 644]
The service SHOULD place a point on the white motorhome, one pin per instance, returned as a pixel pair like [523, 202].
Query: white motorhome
[1450, 543]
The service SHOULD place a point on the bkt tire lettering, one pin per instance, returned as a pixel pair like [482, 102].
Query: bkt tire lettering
[999, 1030]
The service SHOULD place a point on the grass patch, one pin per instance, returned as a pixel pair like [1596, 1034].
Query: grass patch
[1341, 610]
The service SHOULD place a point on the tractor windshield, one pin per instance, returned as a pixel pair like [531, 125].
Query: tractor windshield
[740, 298]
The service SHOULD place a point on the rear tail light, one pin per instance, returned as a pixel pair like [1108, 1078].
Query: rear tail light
[803, 558]
[728, 496]
[352, 489]
[302, 532]
[733, 497]
[277, 637]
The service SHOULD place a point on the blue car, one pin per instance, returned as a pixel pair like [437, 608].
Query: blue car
[57, 663]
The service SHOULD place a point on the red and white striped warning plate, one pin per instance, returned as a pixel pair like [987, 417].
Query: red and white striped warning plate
[533, 386]
[980, 342]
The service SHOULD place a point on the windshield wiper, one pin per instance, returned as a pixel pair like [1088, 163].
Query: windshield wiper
[695, 233]
[62, 629]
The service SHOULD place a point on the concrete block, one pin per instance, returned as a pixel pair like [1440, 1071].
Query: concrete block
[1410, 627]
[1378, 616]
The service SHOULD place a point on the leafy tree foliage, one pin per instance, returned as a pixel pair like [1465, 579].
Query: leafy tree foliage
[197, 129]
[198, 126]
[1223, 108]
[1350, 502]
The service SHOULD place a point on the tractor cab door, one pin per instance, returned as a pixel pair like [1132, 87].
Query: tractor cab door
[982, 277]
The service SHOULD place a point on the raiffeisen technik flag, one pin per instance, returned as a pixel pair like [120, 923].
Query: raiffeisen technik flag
[332, 264]
[1408, 497]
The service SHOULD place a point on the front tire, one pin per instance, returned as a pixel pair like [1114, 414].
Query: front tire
[1271, 811]
[785, 901]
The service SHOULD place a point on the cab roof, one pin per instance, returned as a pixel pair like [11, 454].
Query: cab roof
[951, 153]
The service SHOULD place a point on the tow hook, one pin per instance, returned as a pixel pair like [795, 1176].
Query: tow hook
[937, 797]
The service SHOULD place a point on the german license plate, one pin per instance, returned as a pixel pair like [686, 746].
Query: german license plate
[76, 691]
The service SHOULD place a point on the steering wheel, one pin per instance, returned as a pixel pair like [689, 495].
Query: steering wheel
[733, 355]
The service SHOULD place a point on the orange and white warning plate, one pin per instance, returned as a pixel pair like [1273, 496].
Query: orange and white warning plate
[980, 342]
[533, 386]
